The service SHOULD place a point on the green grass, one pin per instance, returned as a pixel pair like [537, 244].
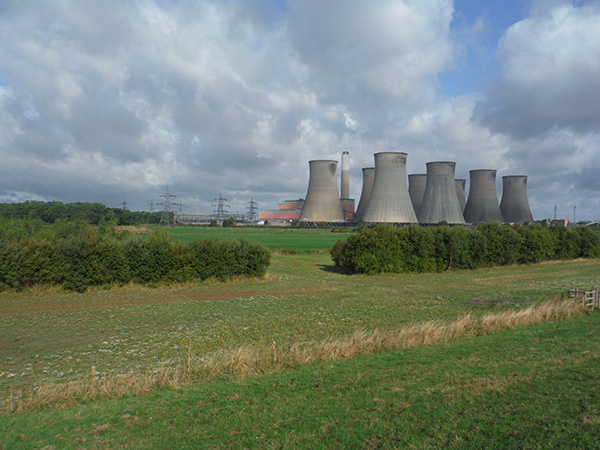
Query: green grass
[58, 337]
[531, 388]
[287, 239]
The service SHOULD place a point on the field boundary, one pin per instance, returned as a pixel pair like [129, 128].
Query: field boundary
[589, 299]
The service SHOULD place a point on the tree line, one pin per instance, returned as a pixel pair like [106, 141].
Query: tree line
[75, 255]
[433, 249]
[92, 213]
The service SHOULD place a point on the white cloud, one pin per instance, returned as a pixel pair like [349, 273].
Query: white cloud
[102, 101]
[551, 68]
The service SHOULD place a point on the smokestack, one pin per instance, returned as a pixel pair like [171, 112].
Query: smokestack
[461, 192]
[367, 186]
[416, 189]
[440, 202]
[390, 201]
[322, 203]
[482, 204]
[345, 175]
[514, 204]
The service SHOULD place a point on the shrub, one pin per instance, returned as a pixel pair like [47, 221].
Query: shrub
[75, 256]
[428, 249]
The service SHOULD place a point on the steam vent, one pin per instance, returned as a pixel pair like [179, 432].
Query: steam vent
[322, 203]
[390, 201]
[367, 187]
[461, 192]
[482, 203]
[514, 204]
[440, 201]
[416, 189]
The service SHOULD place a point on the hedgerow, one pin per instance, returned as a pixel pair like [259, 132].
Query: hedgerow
[434, 249]
[75, 256]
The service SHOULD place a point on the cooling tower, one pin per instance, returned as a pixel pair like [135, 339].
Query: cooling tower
[416, 189]
[440, 202]
[460, 191]
[482, 203]
[322, 203]
[367, 187]
[345, 175]
[390, 201]
[514, 204]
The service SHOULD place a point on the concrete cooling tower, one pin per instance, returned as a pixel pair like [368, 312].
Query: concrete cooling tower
[482, 203]
[390, 200]
[514, 205]
[345, 175]
[440, 201]
[322, 203]
[367, 187]
[461, 192]
[416, 189]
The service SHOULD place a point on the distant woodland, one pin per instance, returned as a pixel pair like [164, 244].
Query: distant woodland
[92, 213]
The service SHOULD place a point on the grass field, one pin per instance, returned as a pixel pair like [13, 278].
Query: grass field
[295, 239]
[53, 337]
[530, 388]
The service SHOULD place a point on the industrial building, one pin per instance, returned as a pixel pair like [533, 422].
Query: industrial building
[482, 203]
[440, 201]
[514, 205]
[386, 196]
[390, 201]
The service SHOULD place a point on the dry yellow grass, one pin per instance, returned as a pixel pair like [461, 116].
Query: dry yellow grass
[255, 360]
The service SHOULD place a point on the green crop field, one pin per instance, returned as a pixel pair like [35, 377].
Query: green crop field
[50, 337]
[295, 239]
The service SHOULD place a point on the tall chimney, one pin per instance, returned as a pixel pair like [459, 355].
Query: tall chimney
[345, 175]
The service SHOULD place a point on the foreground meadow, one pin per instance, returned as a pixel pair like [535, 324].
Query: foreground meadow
[56, 337]
[528, 388]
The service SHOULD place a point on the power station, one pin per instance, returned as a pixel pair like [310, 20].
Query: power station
[440, 201]
[367, 186]
[514, 205]
[482, 203]
[416, 189]
[322, 203]
[389, 201]
[387, 198]
[461, 192]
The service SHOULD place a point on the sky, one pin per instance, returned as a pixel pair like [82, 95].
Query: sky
[111, 101]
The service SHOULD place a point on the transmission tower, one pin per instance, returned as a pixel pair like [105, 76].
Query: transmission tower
[167, 204]
[124, 204]
[252, 209]
[220, 205]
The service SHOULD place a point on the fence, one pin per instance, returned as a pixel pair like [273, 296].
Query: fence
[588, 298]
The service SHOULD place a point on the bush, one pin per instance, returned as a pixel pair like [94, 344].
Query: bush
[75, 256]
[428, 249]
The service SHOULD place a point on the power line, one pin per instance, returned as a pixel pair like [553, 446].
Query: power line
[167, 204]
[220, 205]
[252, 210]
